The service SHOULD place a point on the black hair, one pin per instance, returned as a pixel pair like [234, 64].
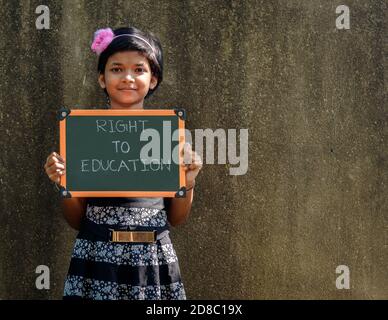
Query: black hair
[154, 55]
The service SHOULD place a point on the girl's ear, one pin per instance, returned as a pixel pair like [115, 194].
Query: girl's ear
[153, 82]
[101, 81]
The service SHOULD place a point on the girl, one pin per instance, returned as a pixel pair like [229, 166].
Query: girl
[130, 67]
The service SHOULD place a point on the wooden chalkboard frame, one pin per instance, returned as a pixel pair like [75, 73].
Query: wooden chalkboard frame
[64, 112]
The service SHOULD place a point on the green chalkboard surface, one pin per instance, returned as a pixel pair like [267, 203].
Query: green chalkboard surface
[114, 153]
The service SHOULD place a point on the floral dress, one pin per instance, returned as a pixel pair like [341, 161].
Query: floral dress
[104, 270]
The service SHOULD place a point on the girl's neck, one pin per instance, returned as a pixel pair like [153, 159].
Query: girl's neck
[119, 106]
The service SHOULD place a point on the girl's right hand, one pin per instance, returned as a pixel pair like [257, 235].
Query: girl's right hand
[55, 167]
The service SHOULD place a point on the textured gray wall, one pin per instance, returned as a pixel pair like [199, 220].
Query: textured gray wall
[314, 101]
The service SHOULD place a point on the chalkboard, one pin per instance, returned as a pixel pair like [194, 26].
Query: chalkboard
[122, 153]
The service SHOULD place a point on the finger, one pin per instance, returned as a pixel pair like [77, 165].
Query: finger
[56, 165]
[57, 172]
[186, 147]
[58, 156]
[55, 168]
[197, 159]
[52, 154]
[59, 165]
[194, 156]
[186, 160]
[187, 154]
[197, 163]
[52, 160]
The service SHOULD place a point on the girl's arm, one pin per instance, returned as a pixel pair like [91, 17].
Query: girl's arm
[73, 211]
[179, 208]
[73, 208]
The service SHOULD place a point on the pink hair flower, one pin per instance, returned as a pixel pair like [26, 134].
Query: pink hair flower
[102, 39]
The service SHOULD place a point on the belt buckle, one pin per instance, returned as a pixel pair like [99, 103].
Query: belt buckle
[132, 236]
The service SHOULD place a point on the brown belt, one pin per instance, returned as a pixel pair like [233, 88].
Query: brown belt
[139, 234]
[132, 236]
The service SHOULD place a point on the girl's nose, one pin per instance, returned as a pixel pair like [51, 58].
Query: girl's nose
[128, 76]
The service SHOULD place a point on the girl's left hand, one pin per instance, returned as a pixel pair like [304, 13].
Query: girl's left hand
[192, 164]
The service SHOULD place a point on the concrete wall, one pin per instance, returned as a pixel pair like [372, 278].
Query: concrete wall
[314, 101]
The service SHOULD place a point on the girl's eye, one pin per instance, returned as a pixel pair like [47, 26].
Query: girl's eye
[116, 69]
[139, 69]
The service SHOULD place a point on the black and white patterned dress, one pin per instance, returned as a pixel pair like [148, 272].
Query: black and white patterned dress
[104, 270]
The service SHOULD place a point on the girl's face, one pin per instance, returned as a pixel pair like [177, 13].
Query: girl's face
[127, 79]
